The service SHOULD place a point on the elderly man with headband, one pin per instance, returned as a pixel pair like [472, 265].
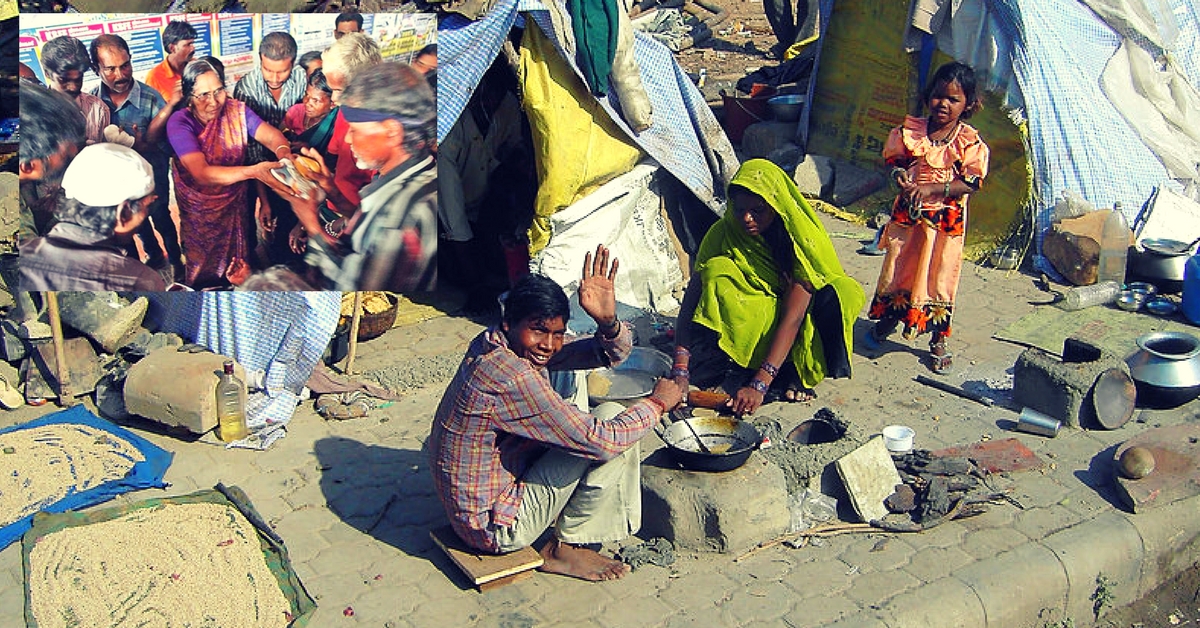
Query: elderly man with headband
[390, 241]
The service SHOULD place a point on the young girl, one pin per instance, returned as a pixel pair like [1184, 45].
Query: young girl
[937, 162]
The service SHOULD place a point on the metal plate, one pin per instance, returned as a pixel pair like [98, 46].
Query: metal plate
[1113, 398]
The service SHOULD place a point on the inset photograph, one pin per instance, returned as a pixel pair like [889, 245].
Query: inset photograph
[218, 151]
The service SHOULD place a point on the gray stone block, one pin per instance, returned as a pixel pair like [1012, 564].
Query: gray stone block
[177, 389]
[761, 138]
[814, 176]
[851, 183]
[713, 512]
[1060, 389]
[870, 476]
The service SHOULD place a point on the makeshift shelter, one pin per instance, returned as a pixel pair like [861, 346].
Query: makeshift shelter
[599, 180]
[1104, 90]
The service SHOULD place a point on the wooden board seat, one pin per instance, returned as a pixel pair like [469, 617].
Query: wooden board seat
[486, 571]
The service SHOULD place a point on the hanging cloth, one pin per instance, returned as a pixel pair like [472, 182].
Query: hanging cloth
[594, 23]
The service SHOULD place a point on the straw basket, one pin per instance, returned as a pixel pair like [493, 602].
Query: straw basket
[372, 325]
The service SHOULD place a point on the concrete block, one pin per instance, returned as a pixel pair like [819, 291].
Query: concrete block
[177, 389]
[714, 512]
[786, 157]
[870, 476]
[1016, 585]
[1108, 545]
[1061, 389]
[851, 183]
[762, 138]
[945, 602]
[814, 176]
[1169, 534]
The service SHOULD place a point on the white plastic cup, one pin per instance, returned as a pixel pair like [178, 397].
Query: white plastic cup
[898, 438]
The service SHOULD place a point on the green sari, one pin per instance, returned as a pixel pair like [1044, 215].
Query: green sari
[742, 290]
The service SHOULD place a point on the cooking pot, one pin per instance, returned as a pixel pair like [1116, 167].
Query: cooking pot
[1160, 262]
[729, 440]
[1166, 369]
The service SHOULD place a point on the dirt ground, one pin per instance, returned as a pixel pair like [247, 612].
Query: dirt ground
[737, 47]
[1175, 603]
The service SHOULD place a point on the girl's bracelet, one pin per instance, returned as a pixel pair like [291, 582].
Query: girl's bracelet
[759, 385]
[770, 369]
[680, 371]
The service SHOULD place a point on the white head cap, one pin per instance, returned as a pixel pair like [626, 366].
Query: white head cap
[105, 174]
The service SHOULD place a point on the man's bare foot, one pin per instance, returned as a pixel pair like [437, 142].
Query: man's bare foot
[580, 562]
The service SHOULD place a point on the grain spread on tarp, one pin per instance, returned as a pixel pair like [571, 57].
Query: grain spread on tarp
[41, 465]
[196, 564]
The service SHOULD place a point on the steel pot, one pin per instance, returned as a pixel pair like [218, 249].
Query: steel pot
[1166, 369]
[731, 442]
[1160, 262]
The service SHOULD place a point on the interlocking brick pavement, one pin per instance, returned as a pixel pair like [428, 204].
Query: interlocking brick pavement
[354, 502]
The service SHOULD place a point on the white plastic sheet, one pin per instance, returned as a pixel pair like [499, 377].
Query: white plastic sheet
[623, 214]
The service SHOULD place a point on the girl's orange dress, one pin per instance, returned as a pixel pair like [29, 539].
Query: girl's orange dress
[924, 245]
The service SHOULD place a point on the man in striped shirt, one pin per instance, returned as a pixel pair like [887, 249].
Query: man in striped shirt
[269, 90]
[511, 458]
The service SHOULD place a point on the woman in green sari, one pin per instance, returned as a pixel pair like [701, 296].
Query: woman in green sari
[768, 312]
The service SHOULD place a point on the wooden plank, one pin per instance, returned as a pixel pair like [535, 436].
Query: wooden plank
[484, 568]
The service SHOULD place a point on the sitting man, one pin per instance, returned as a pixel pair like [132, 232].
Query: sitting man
[109, 190]
[511, 458]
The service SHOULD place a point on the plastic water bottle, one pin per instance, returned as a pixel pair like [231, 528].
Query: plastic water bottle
[1081, 297]
[1191, 289]
[1114, 247]
[231, 406]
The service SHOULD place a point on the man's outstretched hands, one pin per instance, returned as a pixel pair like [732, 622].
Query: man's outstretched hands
[597, 294]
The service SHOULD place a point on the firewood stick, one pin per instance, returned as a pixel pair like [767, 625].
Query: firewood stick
[818, 531]
[65, 398]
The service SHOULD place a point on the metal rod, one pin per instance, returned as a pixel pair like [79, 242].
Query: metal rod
[955, 390]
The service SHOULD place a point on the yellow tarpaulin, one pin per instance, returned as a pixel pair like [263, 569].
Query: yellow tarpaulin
[865, 83]
[577, 145]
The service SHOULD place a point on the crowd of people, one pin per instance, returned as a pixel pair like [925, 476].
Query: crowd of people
[317, 165]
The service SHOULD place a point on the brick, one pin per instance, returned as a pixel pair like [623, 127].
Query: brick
[177, 389]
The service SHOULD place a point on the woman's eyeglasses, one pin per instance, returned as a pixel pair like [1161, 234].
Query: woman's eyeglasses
[207, 96]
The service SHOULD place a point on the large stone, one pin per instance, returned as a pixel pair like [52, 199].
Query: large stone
[763, 138]
[176, 388]
[1062, 389]
[714, 512]
[870, 477]
[851, 183]
[814, 176]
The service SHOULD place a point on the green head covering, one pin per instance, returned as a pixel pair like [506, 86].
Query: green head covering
[742, 288]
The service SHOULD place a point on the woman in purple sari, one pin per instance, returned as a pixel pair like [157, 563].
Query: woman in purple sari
[209, 134]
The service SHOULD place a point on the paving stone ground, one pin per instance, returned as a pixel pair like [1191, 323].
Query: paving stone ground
[354, 502]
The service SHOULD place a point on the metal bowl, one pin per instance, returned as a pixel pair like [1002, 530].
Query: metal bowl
[1130, 301]
[1161, 306]
[786, 108]
[632, 379]
[1146, 288]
